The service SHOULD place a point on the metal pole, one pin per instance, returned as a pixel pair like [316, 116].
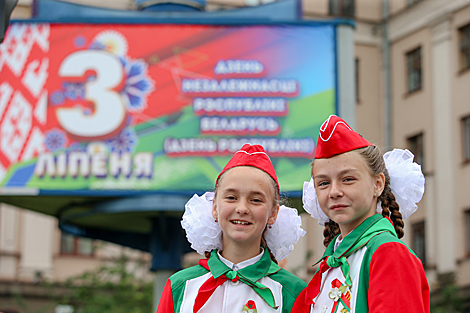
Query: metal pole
[387, 79]
[345, 60]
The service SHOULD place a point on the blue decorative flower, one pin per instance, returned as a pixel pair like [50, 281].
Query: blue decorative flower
[124, 142]
[138, 84]
[55, 139]
[57, 97]
[74, 91]
[96, 45]
[79, 41]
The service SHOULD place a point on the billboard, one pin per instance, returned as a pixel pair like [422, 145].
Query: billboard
[159, 107]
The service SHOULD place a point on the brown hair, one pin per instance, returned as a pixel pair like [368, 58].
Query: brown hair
[376, 164]
[276, 201]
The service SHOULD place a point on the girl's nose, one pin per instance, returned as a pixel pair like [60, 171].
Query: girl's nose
[242, 208]
[335, 191]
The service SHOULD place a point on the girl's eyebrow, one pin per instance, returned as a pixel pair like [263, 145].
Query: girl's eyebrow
[253, 192]
[257, 193]
[230, 190]
[348, 170]
[320, 176]
[343, 172]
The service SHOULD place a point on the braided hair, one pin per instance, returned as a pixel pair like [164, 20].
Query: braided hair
[376, 164]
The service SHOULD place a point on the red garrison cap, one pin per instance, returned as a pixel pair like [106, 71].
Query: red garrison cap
[251, 155]
[337, 137]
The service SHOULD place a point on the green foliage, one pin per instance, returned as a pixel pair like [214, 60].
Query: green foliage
[110, 289]
[449, 300]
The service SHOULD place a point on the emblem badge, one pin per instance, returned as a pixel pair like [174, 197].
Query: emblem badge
[250, 307]
[341, 297]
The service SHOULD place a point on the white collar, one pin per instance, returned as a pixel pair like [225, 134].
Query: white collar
[338, 241]
[239, 266]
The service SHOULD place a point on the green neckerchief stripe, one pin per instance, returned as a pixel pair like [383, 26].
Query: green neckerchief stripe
[375, 223]
[248, 275]
[252, 272]
[357, 239]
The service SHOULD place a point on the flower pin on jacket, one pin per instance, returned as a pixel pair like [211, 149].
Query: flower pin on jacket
[341, 297]
[250, 307]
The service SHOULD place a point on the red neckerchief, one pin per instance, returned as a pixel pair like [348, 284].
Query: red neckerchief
[208, 288]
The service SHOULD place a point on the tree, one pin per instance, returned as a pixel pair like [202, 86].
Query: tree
[110, 289]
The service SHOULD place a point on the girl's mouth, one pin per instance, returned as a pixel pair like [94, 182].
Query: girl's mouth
[337, 207]
[236, 222]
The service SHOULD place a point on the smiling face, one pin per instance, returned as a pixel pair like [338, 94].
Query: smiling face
[243, 205]
[346, 189]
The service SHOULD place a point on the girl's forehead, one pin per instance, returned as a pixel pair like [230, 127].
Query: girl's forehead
[244, 172]
[245, 175]
[338, 163]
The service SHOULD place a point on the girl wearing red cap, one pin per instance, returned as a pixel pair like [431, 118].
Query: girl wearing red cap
[242, 230]
[362, 197]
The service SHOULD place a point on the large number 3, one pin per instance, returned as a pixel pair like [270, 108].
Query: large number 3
[109, 109]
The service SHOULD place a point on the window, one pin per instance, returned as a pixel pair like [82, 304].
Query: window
[464, 41]
[466, 138]
[70, 244]
[416, 146]
[344, 8]
[419, 241]
[414, 70]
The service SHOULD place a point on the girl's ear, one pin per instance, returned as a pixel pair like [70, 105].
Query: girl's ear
[214, 209]
[379, 183]
[273, 217]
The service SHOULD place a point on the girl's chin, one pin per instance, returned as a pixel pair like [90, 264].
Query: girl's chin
[340, 217]
[244, 239]
[344, 222]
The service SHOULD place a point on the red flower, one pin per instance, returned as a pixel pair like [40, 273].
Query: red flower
[251, 304]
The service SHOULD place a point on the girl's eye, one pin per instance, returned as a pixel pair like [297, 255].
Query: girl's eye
[231, 198]
[349, 179]
[257, 200]
[322, 184]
